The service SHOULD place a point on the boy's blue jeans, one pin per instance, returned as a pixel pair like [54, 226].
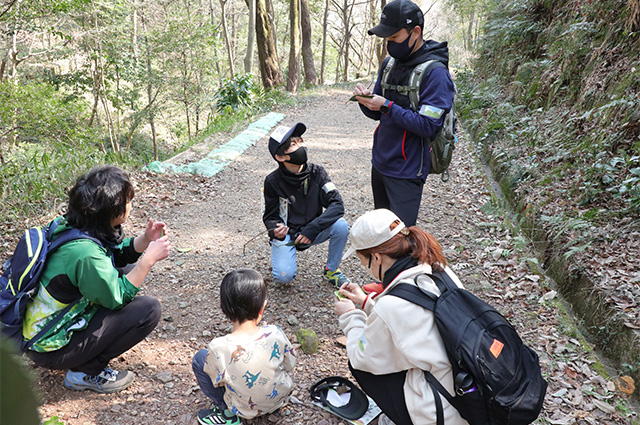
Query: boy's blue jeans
[216, 394]
[283, 258]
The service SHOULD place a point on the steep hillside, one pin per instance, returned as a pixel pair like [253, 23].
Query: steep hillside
[553, 106]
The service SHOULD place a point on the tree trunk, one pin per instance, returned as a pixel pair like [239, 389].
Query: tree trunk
[325, 24]
[186, 108]
[13, 52]
[381, 45]
[185, 93]
[227, 41]
[294, 51]
[216, 35]
[150, 97]
[154, 136]
[348, 9]
[13, 57]
[151, 117]
[272, 23]
[248, 59]
[469, 38]
[96, 91]
[345, 11]
[96, 98]
[102, 86]
[197, 119]
[307, 51]
[267, 55]
[134, 34]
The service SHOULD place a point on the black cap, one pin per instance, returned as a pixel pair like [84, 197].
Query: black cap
[282, 133]
[357, 405]
[397, 15]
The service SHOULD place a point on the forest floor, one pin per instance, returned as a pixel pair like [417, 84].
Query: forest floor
[215, 226]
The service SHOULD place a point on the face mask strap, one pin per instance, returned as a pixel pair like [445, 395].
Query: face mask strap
[379, 267]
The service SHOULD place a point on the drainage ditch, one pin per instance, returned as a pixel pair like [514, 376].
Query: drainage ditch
[598, 320]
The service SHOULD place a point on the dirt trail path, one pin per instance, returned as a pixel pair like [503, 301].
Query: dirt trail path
[215, 226]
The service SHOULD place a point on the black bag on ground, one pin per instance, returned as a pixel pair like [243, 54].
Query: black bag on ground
[358, 401]
[497, 379]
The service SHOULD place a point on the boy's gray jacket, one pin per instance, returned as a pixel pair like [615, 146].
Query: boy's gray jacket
[298, 201]
[392, 335]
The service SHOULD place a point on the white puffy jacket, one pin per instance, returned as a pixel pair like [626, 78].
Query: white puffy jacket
[391, 335]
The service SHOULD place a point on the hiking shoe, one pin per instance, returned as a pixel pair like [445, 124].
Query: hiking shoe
[217, 416]
[337, 278]
[384, 420]
[108, 381]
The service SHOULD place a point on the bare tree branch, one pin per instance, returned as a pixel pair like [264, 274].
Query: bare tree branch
[8, 5]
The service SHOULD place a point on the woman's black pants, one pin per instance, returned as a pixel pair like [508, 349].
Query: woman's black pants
[387, 391]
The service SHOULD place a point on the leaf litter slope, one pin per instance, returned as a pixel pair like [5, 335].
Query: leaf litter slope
[215, 226]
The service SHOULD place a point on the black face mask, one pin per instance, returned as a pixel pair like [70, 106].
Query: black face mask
[298, 157]
[402, 50]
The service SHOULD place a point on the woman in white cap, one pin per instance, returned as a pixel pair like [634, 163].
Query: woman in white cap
[391, 341]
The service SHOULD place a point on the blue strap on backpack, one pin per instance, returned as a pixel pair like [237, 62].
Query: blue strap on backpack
[20, 279]
[497, 378]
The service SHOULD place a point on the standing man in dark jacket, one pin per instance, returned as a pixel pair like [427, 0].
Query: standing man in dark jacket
[302, 207]
[400, 155]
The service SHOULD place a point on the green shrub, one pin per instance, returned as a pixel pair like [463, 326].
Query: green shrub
[235, 93]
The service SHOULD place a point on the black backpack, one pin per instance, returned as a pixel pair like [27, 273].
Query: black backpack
[497, 379]
[20, 279]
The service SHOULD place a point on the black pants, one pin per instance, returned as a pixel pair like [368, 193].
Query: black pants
[387, 391]
[109, 334]
[402, 196]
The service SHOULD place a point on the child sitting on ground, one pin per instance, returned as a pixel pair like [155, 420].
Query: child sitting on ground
[245, 372]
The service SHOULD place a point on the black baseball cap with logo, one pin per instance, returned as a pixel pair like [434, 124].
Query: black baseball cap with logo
[282, 133]
[397, 15]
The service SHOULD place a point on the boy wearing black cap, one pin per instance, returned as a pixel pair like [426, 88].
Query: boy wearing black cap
[302, 208]
[400, 155]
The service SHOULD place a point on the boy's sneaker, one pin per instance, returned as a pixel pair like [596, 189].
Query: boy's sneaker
[107, 381]
[217, 416]
[337, 278]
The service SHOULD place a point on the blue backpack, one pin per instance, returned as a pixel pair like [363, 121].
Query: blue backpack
[20, 279]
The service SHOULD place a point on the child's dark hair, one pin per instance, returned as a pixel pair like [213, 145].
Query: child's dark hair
[98, 197]
[285, 145]
[242, 295]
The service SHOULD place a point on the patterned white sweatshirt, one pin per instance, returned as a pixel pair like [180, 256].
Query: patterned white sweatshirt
[253, 369]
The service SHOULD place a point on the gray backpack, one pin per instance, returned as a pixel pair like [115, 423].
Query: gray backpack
[443, 144]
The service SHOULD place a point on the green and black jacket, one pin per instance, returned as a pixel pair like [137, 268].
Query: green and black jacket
[84, 270]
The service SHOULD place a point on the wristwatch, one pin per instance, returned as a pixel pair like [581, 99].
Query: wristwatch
[384, 108]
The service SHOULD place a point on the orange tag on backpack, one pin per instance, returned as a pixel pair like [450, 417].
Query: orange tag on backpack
[496, 348]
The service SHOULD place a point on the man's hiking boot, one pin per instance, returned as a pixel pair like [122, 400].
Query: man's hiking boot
[107, 381]
[217, 416]
[337, 278]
